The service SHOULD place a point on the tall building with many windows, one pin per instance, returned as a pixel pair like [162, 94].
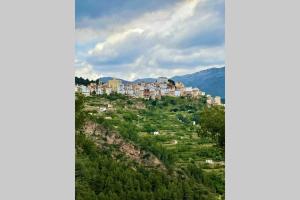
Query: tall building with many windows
[114, 84]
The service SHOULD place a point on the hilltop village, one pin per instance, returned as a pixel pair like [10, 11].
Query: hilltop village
[154, 90]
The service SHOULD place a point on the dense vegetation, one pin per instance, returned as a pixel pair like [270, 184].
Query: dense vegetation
[82, 81]
[189, 134]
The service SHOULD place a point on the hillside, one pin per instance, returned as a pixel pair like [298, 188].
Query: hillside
[118, 156]
[211, 81]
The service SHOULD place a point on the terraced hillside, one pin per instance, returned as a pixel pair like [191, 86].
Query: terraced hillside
[180, 135]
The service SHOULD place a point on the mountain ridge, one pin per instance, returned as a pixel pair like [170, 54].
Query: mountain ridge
[211, 81]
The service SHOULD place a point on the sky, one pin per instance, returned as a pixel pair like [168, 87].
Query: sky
[133, 39]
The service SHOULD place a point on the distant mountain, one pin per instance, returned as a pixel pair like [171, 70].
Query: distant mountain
[145, 80]
[211, 81]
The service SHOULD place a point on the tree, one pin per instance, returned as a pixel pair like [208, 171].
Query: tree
[213, 120]
[196, 118]
[171, 82]
[149, 128]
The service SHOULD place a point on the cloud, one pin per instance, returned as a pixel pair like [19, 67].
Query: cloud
[85, 70]
[119, 10]
[118, 48]
[178, 37]
[181, 58]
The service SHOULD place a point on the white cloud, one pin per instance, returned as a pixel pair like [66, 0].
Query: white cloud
[85, 35]
[86, 71]
[186, 37]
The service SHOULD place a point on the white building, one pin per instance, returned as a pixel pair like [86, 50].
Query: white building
[162, 80]
[209, 161]
[84, 90]
[209, 100]
[188, 89]
[102, 109]
[163, 91]
[108, 91]
[121, 90]
[217, 100]
[163, 85]
[177, 93]
[156, 133]
[130, 92]
[99, 91]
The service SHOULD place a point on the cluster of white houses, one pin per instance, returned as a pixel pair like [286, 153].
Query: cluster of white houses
[155, 90]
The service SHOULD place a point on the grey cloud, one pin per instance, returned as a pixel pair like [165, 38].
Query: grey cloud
[174, 42]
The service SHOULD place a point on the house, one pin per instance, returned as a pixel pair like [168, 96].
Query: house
[146, 93]
[188, 91]
[155, 133]
[171, 93]
[129, 92]
[217, 100]
[195, 92]
[209, 161]
[162, 80]
[177, 93]
[99, 90]
[209, 100]
[179, 85]
[103, 109]
[84, 90]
